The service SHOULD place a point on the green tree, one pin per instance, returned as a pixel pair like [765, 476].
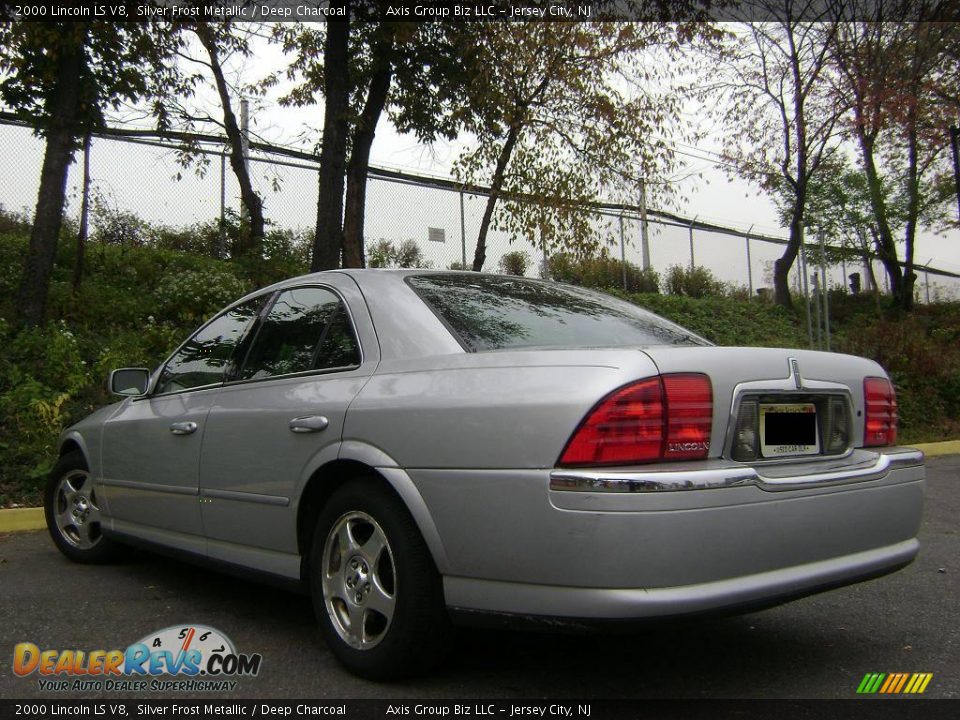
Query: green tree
[894, 72]
[565, 113]
[781, 121]
[839, 205]
[219, 40]
[61, 77]
[363, 69]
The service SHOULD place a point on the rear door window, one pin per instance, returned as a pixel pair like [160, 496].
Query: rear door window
[307, 328]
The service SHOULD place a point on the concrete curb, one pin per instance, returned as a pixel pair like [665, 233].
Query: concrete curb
[18, 519]
[948, 447]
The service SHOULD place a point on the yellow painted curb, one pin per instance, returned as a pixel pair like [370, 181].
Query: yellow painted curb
[22, 519]
[948, 447]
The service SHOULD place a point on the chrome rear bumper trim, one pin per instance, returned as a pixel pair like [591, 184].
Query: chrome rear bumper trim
[713, 478]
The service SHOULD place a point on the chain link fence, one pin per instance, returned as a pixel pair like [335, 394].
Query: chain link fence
[145, 179]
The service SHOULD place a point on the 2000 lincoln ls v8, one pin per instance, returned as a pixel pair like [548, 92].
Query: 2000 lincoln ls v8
[417, 445]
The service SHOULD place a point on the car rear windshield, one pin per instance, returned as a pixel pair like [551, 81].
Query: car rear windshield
[491, 312]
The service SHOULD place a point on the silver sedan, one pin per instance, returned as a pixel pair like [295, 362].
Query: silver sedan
[416, 447]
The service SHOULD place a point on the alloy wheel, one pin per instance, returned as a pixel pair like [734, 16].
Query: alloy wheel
[359, 580]
[76, 510]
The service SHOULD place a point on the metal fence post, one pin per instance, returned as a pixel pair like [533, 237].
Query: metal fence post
[463, 235]
[826, 291]
[644, 230]
[222, 235]
[692, 263]
[806, 288]
[623, 256]
[816, 306]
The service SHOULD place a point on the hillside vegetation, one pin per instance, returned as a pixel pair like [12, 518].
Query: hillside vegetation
[137, 303]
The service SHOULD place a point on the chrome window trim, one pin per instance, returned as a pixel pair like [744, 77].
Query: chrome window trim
[285, 376]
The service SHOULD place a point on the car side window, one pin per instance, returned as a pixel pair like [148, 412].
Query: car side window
[206, 357]
[307, 328]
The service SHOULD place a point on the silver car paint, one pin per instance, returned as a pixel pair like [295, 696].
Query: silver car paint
[468, 440]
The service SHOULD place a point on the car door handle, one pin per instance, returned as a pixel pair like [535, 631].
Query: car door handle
[183, 428]
[309, 423]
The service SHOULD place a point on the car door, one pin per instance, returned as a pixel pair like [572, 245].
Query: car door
[311, 354]
[151, 446]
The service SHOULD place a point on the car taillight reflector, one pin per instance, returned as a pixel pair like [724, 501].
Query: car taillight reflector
[689, 416]
[662, 418]
[880, 412]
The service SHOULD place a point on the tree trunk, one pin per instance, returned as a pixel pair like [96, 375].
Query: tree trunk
[781, 268]
[886, 247]
[480, 254]
[84, 217]
[63, 107]
[328, 239]
[251, 201]
[905, 298]
[363, 134]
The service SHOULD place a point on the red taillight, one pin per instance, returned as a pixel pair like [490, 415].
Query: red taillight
[689, 416]
[662, 418]
[880, 412]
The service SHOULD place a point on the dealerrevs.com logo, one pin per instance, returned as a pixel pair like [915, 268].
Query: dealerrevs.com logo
[196, 656]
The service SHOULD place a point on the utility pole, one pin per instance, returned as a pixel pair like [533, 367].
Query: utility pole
[749, 267]
[644, 236]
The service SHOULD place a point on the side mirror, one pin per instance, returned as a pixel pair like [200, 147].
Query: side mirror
[129, 382]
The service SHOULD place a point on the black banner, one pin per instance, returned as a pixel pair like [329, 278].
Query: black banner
[461, 10]
[111, 709]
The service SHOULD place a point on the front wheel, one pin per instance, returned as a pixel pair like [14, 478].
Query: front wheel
[72, 511]
[376, 592]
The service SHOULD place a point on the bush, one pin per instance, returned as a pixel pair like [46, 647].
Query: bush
[42, 374]
[695, 282]
[602, 272]
[385, 254]
[191, 296]
[515, 263]
[728, 321]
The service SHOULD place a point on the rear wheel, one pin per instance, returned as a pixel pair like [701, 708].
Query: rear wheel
[72, 511]
[376, 592]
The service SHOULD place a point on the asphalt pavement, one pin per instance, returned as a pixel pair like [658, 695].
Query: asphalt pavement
[817, 647]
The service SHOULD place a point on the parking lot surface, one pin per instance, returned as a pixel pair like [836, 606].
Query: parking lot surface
[817, 647]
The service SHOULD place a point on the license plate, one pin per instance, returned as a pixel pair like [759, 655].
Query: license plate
[788, 429]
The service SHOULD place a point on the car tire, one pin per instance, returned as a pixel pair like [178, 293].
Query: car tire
[376, 591]
[72, 511]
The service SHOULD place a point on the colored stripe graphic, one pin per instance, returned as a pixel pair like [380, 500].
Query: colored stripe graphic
[894, 683]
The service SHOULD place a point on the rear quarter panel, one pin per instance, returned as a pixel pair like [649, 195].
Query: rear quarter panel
[486, 410]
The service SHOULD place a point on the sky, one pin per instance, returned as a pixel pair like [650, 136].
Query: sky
[708, 192]
[397, 212]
